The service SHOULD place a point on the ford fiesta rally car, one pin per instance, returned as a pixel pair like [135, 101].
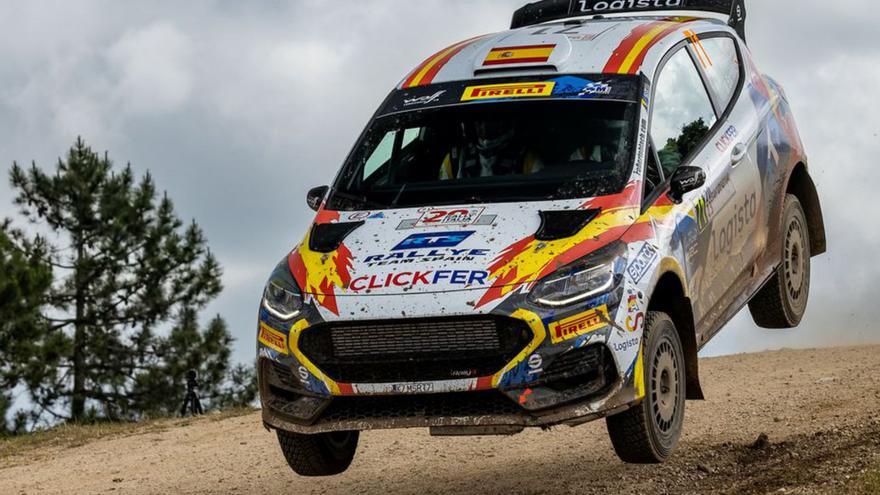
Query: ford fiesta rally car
[543, 227]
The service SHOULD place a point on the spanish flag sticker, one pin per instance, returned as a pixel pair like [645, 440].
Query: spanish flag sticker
[510, 55]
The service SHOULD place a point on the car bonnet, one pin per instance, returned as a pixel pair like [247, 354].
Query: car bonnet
[481, 253]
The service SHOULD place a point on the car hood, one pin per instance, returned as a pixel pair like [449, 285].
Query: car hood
[486, 251]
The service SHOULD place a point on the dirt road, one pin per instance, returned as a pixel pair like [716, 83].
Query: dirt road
[819, 410]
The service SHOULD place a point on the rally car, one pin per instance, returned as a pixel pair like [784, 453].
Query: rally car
[543, 227]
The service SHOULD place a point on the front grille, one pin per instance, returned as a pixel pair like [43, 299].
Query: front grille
[414, 350]
[457, 405]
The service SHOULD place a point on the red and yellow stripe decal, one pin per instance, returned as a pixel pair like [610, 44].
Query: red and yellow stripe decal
[425, 73]
[629, 56]
[530, 54]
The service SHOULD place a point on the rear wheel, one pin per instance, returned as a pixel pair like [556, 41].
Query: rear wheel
[649, 432]
[782, 302]
[323, 454]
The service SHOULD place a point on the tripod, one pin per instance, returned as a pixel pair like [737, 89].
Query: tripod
[192, 402]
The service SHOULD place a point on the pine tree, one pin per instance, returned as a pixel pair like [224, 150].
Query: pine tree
[24, 280]
[125, 265]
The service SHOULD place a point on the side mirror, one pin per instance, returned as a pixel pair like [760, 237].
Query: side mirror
[685, 180]
[316, 196]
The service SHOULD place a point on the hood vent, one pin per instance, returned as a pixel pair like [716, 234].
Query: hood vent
[327, 237]
[563, 224]
[521, 70]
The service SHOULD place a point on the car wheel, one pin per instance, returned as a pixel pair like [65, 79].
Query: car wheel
[648, 433]
[781, 303]
[323, 454]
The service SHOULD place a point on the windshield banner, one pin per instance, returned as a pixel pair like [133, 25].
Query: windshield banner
[604, 87]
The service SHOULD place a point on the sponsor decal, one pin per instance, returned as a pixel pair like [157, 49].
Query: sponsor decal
[425, 255]
[424, 100]
[513, 90]
[724, 238]
[643, 143]
[578, 87]
[591, 6]
[509, 55]
[377, 216]
[273, 339]
[358, 216]
[463, 373]
[579, 324]
[460, 216]
[634, 317]
[420, 278]
[445, 240]
[715, 197]
[596, 89]
[642, 263]
[727, 139]
[626, 344]
[535, 363]
[524, 397]
[303, 374]
[445, 217]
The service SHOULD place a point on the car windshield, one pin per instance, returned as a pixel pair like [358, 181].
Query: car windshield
[490, 152]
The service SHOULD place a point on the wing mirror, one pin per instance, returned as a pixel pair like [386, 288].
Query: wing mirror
[685, 180]
[316, 196]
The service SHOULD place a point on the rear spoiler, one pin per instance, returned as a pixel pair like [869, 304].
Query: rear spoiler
[552, 10]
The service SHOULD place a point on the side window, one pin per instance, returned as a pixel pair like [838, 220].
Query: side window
[683, 113]
[721, 68]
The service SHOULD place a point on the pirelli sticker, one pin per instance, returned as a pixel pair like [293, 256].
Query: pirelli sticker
[273, 339]
[579, 324]
[512, 90]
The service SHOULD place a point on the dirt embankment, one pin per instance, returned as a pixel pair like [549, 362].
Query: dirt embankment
[818, 409]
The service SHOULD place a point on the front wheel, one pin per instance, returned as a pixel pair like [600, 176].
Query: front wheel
[649, 432]
[781, 303]
[323, 454]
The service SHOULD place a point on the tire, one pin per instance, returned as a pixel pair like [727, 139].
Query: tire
[323, 454]
[649, 433]
[781, 303]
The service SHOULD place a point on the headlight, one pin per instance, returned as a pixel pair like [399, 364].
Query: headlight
[595, 275]
[281, 303]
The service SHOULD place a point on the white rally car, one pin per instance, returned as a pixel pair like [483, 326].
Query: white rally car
[543, 227]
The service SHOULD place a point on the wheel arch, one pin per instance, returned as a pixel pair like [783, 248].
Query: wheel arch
[801, 185]
[670, 297]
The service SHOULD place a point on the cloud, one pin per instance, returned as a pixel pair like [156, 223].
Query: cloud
[238, 108]
[152, 69]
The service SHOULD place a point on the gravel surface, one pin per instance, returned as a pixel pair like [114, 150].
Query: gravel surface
[777, 422]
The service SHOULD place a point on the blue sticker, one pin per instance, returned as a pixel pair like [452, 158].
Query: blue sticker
[420, 241]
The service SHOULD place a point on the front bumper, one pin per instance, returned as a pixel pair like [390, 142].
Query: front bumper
[570, 367]
[474, 412]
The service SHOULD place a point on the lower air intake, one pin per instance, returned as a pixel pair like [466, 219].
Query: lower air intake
[414, 350]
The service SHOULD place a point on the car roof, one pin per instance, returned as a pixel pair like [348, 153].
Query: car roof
[613, 45]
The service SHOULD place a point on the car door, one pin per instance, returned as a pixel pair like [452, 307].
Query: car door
[690, 126]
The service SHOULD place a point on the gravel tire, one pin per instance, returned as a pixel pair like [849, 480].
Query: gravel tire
[323, 454]
[649, 433]
[781, 303]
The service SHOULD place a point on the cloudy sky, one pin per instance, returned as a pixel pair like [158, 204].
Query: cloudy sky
[238, 108]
